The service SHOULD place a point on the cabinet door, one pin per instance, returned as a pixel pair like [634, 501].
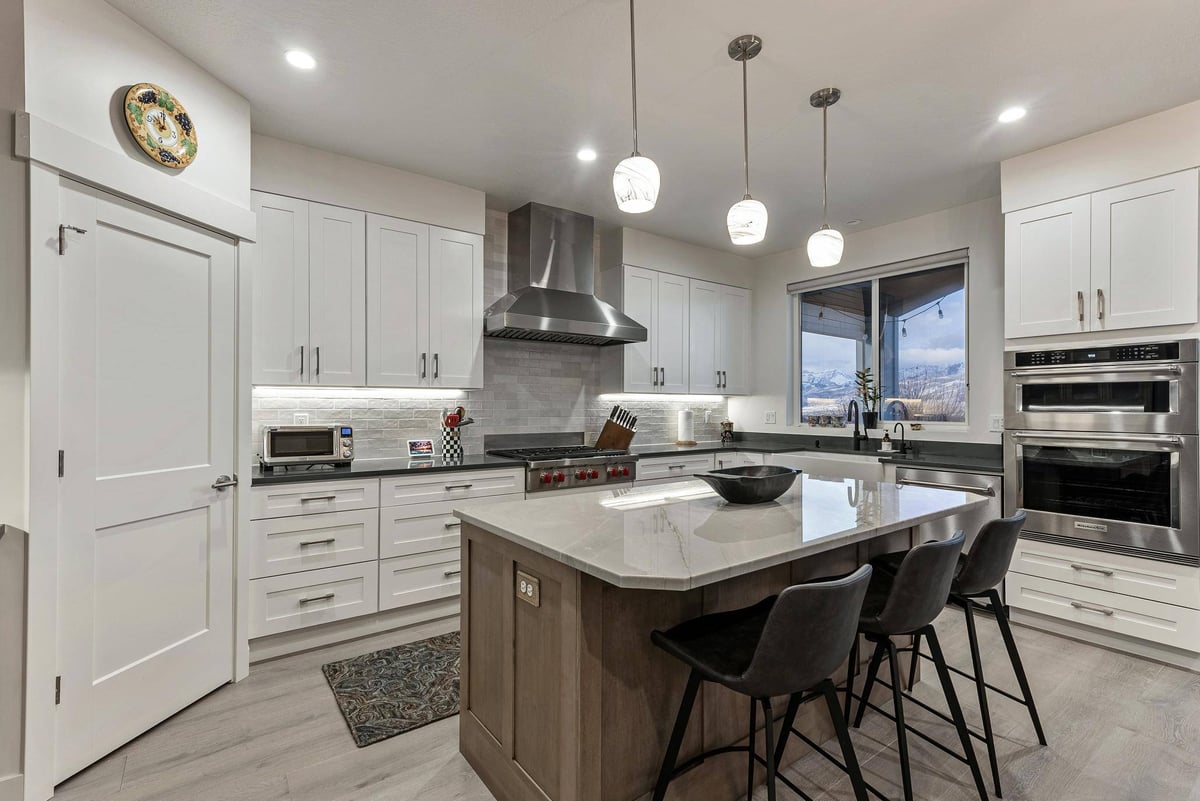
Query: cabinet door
[672, 333]
[704, 340]
[1047, 268]
[1144, 243]
[280, 305]
[733, 334]
[455, 308]
[337, 328]
[397, 302]
[640, 301]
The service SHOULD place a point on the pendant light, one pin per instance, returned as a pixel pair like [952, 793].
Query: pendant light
[636, 179]
[747, 219]
[825, 246]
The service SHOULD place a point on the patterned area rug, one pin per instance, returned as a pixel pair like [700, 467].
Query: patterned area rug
[395, 690]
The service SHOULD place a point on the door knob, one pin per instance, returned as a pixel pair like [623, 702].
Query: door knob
[224, 481]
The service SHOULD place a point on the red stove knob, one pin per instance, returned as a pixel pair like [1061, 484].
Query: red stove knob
[624, 471]
[545, 478]
[559, 477]
[615, 472]
[581, 475]
[594, 474]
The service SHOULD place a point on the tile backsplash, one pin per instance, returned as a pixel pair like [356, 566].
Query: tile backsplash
[529, 387]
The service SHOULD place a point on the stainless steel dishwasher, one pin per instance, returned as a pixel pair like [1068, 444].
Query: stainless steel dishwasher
[988, 486]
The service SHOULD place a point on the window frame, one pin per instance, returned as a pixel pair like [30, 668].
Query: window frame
[795, 351]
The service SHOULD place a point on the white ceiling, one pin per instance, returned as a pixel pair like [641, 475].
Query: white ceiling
[500, 95]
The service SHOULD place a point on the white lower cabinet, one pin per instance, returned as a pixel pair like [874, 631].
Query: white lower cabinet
[834, 466]
[739, 459]
[296, 600]
[450, 486]
[307, 542]
[416, 579]
[673, 468]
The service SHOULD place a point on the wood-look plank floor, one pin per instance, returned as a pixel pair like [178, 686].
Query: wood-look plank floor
[1120, 729]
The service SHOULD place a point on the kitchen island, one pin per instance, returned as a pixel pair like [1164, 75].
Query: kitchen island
[563, 695]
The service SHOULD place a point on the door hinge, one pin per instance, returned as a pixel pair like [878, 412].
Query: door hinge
[57, 690]
[62, 457]
[62, 236]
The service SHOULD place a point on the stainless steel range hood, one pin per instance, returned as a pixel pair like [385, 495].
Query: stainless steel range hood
[551, 284]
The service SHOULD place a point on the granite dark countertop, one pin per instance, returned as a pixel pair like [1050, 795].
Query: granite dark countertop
[366, 468]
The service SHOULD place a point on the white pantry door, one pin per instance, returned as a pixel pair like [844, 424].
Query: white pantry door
[147, 385]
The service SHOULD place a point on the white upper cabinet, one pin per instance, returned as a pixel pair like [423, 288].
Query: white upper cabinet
[1144, 253]
[280, 270]
[337, 265]
[640, 302]
[397, 302]
[455, 308]
[672, 333]
[1047, 268]
[719, 339]
[1118, 259]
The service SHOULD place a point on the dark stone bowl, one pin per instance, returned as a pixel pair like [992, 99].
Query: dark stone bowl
[751, 484]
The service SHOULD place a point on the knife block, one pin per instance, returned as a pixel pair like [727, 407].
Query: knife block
[615, 436]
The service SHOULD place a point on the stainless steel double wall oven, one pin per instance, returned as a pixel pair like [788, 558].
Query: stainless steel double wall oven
[1100, 447]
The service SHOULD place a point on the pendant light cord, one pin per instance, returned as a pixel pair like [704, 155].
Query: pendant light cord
[633, 70]
[825, 164]
[745, 123]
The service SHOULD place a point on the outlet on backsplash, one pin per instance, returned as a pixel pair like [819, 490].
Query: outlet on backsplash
[769, 418]
[300, 419]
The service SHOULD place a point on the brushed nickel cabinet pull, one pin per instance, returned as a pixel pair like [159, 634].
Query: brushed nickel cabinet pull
[459, 486]
[317, 356]
[676, 466]
[655, 382]
[1090, 608]
[455, 524]
[326, 597]
[1100, 304]
[663, 379]
[308, 543]
[424, 364]
[1079, 300]
[301, 361]
[437, 369]
[1090, 569]
[319, 498]
[449, 573]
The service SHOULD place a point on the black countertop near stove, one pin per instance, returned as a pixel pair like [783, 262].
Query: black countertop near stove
[368, 468]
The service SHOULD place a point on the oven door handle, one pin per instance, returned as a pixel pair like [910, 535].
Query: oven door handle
[1101, 440]
[1093, 370]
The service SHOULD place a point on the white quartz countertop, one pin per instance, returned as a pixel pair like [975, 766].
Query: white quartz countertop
[683, 535]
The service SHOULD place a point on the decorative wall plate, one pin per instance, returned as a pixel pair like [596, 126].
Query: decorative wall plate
[160, 125]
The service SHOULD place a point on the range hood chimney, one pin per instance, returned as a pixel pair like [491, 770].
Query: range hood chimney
[551, 284]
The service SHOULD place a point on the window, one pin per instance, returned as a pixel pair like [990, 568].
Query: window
[909, 327]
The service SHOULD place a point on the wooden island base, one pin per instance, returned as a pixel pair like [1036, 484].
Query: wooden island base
[569, 700]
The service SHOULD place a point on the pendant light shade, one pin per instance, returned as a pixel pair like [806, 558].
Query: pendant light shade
[636, 179]
[825, 246]
[747, 219]
[635, 184]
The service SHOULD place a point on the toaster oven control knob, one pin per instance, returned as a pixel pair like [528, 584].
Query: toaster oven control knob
[559, 477]
[346, 453]
[545, 478]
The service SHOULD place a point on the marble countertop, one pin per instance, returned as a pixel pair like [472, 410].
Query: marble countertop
[683, 535]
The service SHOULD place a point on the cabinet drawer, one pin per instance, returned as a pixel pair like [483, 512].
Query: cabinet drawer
[1123, 614]
[1141, 578]
[450, 486]
[674, 467]
[285, 500]
[408, 580]
[297, 600]
[290, 544]
[423, 527]
[738, 459]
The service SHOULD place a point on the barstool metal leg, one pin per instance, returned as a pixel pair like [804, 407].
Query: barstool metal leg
[916, 659]
[673, 745]
[981, 689]
[1014, 656]
[769, 720]
[898, 706]
[851, 668]
[753, 733]
[843, 735]
[872, 675]
[960, 723]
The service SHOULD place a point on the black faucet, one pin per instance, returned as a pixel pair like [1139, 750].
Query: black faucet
[905, 446]
[859, 437]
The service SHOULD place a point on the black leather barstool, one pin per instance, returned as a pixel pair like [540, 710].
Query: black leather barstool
[979, 573]
[906, 603]
[780, 646]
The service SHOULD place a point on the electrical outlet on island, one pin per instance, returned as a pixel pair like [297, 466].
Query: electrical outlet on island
[300, 418]
[769, 417]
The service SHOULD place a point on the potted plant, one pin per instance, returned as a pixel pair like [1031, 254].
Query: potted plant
[870, 394]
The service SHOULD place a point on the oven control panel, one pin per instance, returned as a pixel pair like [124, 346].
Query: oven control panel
[1142, 352]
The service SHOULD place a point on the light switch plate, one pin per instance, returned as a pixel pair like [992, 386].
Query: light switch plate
[996, 422]
[769, 417]
[529, 588]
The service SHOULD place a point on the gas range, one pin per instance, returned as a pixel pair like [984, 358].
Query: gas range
[572, 467]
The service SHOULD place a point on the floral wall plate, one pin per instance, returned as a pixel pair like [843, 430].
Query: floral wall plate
[160, 125]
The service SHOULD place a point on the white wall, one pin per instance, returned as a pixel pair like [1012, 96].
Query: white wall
[285, 168]
[80, 58]
[656, 252]
[14, 376]
[977, 226]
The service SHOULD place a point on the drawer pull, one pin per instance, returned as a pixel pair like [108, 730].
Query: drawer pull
[676, 466]
[319, 498]
[455, 524]
[449, 573]
[326, 597]
[458, 486]
[1090, 608]
[1089, 569]
[329, 541]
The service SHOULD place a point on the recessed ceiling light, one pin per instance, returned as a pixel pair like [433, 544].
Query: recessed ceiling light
[586, 154]
[300, 60]
[853, 222]
[1011, 114]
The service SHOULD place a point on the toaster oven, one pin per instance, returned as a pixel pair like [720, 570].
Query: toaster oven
[307, 445]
